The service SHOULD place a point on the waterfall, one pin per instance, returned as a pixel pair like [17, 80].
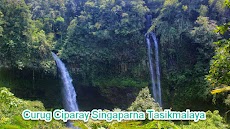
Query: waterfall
[68, 91]
[148, 21]
[156, 83]
[151, 68]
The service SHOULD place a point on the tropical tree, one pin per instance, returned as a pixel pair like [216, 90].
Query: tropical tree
[219, 74]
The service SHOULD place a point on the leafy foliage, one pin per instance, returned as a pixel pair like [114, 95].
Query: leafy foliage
[11, 109]
[214, 121]
[97, 43]
[144, 101]
[227, 100]
[205, 32]
[219, 75]
[23, 42]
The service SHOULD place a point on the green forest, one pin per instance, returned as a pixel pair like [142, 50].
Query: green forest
[103, 45]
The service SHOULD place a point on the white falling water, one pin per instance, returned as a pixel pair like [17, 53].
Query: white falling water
[68, 91]
[69, 94]
[156, 81]
[158, 84]
[151, 68]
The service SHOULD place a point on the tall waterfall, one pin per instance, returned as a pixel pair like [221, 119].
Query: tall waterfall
[151, 68]
[156, 83]
[68, 91]
[158, 74]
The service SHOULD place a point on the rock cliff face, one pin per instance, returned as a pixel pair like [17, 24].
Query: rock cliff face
[120, 97]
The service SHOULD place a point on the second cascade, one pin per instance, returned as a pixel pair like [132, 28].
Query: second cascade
[155, 72]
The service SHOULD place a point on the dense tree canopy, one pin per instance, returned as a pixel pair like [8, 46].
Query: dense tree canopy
[23, 42]
[219, 74]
